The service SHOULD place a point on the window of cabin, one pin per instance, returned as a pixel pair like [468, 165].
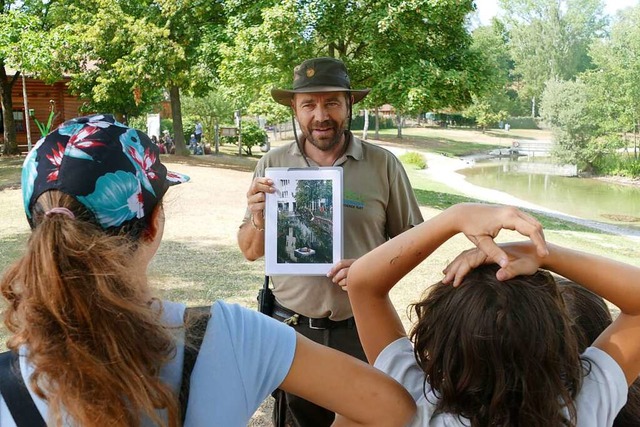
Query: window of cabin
[18, 118]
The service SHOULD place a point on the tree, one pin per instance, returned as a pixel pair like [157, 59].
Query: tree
[412, 53]
[27, 44]
[615, 81]
[211, 109]
[549, 39]
[491, 102]
[565, 106]
[310, 192]
[130, 52]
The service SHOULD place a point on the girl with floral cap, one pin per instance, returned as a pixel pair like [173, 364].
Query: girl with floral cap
[97, 349]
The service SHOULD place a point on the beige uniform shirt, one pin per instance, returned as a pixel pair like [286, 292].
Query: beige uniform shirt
[378, 204]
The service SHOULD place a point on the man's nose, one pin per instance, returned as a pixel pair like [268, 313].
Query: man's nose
[321, 113]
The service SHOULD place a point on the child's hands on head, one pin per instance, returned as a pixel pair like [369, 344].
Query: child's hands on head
[482, 223]
[523, 259]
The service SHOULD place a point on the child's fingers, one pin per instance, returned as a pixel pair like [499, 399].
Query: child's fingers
[532, 228]
[492, 250]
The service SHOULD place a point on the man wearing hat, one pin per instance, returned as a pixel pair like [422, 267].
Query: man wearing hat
[378, 205]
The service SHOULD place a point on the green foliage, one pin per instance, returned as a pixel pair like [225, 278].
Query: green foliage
[549, 39]
[309, 192]
[618, 165]
[210, 109]
[526, 122]
[166, 124]
[485, 111]
[414, 159]
[383, 122]
[565, 107]
[139, 122]
[615, 84]
[414, 55]
[252, 135]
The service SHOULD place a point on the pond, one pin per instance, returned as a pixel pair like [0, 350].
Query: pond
[581, 197]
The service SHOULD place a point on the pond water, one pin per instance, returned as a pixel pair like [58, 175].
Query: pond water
[582, 197]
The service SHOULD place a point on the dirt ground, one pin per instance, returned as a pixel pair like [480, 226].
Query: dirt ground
[199, 253]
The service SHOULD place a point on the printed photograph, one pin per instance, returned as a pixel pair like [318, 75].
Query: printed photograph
[305, 221]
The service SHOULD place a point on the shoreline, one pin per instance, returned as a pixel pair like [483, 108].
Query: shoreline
[444, 169]
[620, 180]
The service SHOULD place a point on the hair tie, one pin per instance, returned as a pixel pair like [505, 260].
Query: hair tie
[63, 211]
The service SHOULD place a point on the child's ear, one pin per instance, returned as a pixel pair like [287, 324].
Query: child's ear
[156, 223]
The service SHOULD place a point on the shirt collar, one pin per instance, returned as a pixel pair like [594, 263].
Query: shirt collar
[354, 149]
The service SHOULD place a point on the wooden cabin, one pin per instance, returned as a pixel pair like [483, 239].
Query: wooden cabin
[42, 98]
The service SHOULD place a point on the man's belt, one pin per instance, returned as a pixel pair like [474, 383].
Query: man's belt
[292, 318]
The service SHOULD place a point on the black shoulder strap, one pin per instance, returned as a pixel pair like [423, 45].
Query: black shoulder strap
[15, 393]
[195, 321]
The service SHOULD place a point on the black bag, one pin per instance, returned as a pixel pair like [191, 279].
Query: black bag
[266, 299]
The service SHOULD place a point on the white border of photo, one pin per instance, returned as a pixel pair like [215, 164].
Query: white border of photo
[272, 266]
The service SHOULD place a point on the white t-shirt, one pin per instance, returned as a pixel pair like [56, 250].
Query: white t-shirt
[603, 393]
[244, 356]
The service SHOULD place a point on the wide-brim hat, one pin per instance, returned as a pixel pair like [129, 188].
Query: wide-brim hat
[319, 75]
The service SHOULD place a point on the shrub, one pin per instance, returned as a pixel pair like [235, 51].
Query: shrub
[523, 122]
[414, 159]
[252, 135]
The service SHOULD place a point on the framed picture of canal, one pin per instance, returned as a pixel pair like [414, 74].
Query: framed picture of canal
[303, 221]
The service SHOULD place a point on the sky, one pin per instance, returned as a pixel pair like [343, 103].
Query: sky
[487, 9]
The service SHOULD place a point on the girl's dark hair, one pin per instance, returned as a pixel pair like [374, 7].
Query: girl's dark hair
[591, 316]
[499, 353]
[82, 306]
[587, 310]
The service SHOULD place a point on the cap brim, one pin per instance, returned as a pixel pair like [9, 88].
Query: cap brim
[175, 178]
[283, 96]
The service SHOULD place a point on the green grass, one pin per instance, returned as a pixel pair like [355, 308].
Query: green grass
[414, 160]
[437, 143]
[10, 169]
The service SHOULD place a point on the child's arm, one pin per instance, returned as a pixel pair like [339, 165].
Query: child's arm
[614, 281]
[360, 394]
[373, 275]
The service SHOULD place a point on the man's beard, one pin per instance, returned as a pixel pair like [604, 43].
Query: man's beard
[325, 144]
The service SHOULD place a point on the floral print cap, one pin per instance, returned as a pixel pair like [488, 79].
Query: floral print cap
[113, 170]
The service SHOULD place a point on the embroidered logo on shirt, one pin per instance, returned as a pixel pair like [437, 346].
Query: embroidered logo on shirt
[353, 200]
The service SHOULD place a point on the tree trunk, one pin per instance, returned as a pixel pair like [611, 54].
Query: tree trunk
[533, 107]
[216, 139]
[365, 129]
[377, 124]
[399, 124]
[176, 116]
[6, 86]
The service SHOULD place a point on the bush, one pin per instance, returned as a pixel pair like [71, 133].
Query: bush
[523, 122]
[166, 124]
[618, 165]
[139, 122]
[188, 127]
[252, 135]
[384, 123]
[414, 159]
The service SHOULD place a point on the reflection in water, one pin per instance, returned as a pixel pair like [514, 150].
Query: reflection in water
[581, 197]
[299, 242]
